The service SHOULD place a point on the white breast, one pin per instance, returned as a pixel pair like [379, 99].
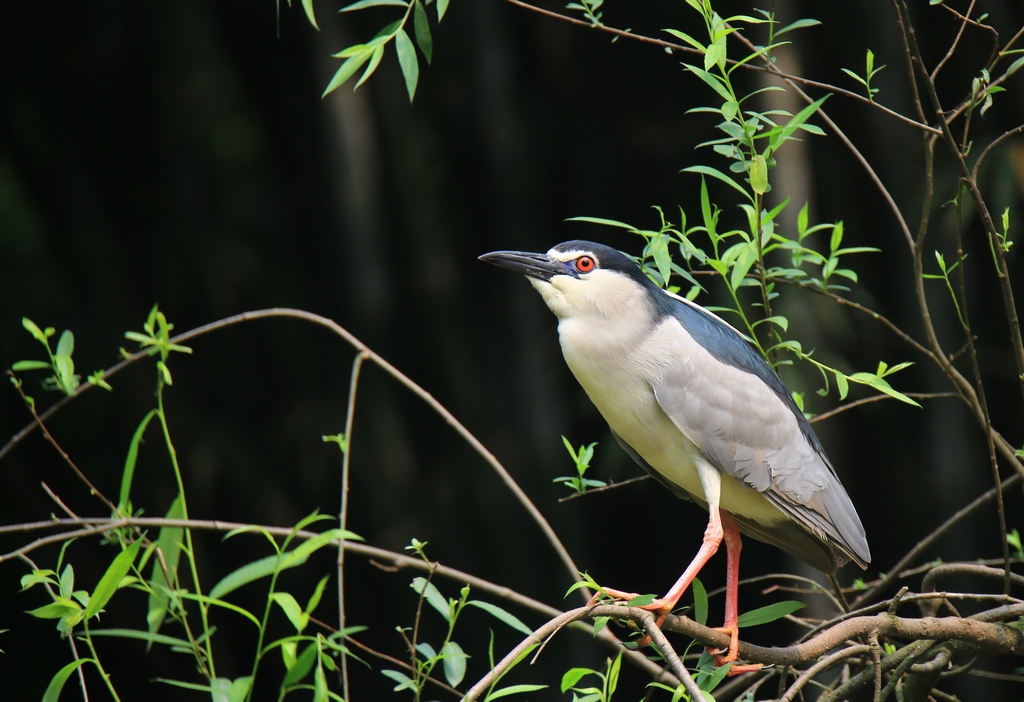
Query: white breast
[619, 366]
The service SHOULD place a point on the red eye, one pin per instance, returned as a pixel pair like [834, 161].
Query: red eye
[585, 264]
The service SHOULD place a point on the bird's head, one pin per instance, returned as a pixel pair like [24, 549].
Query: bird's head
[581, 278]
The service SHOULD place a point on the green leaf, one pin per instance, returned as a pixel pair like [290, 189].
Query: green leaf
[403, 680]
[266, 566]
[320, 684]
[347, 70]
[797, 122]
[741, 266]
[454, 663]
[36, 577]
[129, 462]
[514, 690]
[30, 365]
[842, 385]
[716, 83]
[433, 596]
[66, 344]
[837, 237]
[314, 599]
[573, 676]
[613, 674]
[662, 259]
[375, 57]
[290, 606]
[759, 175]
[169, 545]
[307, 5]
[362, 4]
[687, 38]
[408, 61]
[1014, 67]
[442, 7]
[606, 222]
[715, 54]
[700, 602]
[300, 669]
[111, 580]
[883, 386]
[35, 331]
[58, 609]
[162, 639]
[776, 320]
[53, 690]
[799, 24]
[421, 29]
[502, 616]
[239, 691]
[768, 613]
[715, 173]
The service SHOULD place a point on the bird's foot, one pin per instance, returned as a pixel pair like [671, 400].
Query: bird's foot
[730, 654]
[660, 607]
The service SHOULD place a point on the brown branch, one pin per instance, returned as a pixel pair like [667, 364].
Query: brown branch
[995, 142]
[38, 422]
[875, 398]
[821, 666]
[964, 21]
[640, 616]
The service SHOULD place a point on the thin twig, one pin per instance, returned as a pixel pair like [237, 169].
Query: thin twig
[822, 665]
[350, 412]
[964, 20]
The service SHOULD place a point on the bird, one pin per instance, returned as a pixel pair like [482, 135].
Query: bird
[698, 407]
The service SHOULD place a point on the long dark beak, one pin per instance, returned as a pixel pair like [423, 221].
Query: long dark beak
[535, 265]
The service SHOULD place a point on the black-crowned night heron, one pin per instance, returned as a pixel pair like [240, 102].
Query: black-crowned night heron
[692, 402]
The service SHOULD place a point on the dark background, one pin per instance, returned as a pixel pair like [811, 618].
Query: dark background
[180, 153]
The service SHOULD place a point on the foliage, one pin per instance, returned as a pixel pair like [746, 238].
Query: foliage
[581, 458]
[372, 51]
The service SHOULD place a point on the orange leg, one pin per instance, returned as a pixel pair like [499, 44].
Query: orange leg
[721, 527]
[663, 606]
[733, 545]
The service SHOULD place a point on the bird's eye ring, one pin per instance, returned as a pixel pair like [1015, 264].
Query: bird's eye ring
[585, 264]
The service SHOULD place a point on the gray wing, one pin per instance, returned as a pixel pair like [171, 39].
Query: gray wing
[749, 430]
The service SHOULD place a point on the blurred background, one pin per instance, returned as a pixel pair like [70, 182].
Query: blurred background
[181, 154]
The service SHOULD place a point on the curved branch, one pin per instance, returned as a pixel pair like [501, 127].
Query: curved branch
[822, 665]
[550, 628]
[982, 630]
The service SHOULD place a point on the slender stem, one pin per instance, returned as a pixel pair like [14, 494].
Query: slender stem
[357, 365]
[980, 388]
[206, 662]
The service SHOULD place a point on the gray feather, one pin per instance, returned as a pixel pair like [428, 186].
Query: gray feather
[748, 430]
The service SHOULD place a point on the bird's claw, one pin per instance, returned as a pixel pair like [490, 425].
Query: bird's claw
[658, 607]
[732, 652]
